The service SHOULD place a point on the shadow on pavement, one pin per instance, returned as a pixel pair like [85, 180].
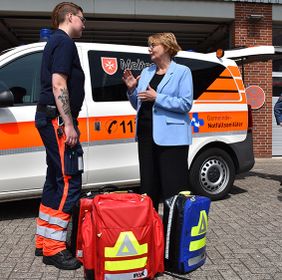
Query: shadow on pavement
[19, 209]
[237, 190]
[267, 176]
[272, 177]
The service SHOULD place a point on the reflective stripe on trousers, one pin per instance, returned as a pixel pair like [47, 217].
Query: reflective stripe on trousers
[59, 235]
[53, 220]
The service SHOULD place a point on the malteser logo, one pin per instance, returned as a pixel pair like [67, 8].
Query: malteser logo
[137, 65]
[109, 65]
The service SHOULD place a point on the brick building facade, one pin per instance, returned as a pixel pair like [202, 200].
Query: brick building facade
[254, 32]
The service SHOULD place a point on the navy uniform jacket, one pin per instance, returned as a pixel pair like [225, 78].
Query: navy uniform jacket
[60, 56]
[171, 123]
[278, 110]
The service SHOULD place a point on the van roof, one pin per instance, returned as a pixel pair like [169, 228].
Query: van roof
[253, 54]
[117, 48]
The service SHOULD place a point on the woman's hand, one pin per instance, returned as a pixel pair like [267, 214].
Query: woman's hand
[130, 80]
[149, 95]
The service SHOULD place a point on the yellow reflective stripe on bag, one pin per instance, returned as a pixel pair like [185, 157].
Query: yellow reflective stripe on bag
[125, 246]
[197, 244]
[125, 265]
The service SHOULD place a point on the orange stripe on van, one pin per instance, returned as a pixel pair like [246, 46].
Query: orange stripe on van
[234, 70]
[222, 96]
[112, 128]
[240, 84]
[223, 84]
[226, 73]
[123, 127]
[20, 135]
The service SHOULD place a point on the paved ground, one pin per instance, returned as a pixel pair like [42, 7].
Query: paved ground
[244, 240]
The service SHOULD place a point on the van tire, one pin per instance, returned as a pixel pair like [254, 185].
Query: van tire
[212, 174]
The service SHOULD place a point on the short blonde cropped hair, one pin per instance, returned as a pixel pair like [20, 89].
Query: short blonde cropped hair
[168, 40]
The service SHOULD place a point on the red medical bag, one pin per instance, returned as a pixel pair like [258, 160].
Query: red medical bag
[119, 236]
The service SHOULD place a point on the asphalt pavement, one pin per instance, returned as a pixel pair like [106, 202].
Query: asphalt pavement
[244, 239]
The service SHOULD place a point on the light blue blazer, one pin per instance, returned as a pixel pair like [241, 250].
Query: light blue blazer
[171, 123]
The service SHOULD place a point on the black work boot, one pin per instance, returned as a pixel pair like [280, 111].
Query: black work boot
[62, 260]
[38, 252]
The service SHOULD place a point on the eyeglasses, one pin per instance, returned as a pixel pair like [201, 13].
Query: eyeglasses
[83, 20]
[151, 46]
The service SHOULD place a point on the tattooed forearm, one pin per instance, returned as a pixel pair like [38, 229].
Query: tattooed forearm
[64, 98]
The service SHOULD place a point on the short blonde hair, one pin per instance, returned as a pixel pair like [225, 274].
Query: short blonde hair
[168, 40]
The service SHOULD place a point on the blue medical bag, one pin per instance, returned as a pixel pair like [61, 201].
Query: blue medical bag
[186, 222]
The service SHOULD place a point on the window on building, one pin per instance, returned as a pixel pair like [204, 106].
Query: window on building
[277, 86]
[22, 78]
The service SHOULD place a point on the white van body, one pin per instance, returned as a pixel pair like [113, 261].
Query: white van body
[222, 140]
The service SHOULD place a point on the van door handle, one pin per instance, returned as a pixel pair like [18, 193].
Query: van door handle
[97, 126]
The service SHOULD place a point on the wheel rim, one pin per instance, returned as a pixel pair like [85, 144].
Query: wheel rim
[214, 175]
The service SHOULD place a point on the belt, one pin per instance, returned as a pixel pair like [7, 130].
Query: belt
[50, 110]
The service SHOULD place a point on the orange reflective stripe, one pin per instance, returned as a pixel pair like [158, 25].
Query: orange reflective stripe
[52, 247]
[61, 146]
[39, 241]
[44, 224]
[54, 213]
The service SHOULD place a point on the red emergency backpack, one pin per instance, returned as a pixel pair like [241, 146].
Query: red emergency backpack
[120, 236]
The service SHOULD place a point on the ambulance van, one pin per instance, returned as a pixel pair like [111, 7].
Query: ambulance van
[220, 119]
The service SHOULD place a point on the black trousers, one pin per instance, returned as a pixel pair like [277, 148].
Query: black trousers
[163, 169]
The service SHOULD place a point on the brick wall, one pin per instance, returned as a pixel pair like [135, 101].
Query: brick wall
[248, 33]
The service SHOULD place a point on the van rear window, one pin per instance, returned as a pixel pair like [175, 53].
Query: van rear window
[204, 73]
[106, 70]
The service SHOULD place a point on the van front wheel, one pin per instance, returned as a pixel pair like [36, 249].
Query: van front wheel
[212, 174]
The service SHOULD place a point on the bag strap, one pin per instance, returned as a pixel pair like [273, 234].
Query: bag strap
[176, 276]
[169, 223]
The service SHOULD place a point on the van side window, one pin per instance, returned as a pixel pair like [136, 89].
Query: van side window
[106, 69]
[22, 78]
[204, 75]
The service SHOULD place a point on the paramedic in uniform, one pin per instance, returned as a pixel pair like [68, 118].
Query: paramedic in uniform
[61, 98]
[162, 96]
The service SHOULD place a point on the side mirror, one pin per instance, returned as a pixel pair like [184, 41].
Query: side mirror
[6, 98]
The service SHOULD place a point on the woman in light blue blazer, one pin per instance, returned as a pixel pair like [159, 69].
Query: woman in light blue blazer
[162, 96]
